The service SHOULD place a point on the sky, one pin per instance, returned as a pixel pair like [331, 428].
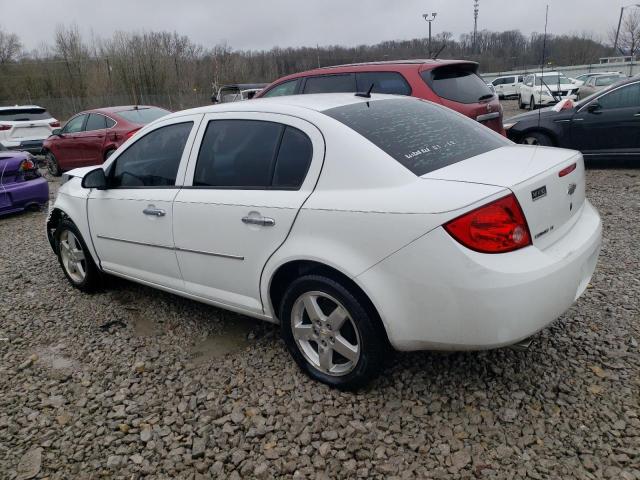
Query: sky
[257, 24]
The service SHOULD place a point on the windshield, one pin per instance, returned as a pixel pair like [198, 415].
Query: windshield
[420, 135]
[553, 80]
[142, 116]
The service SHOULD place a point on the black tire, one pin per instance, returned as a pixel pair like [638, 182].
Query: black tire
[520, 104]
[92, 277]
[532, 103]
[108, 153]
[52, 165]
[536, 138]
[363, 326]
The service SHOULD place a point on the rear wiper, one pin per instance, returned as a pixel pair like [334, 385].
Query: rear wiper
[486, 97]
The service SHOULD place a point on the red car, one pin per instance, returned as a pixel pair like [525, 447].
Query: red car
[90, 137]
[452, 83]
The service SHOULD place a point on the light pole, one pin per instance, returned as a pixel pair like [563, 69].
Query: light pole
[430, 18]
[615, 43]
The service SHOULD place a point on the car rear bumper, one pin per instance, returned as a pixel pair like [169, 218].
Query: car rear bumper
[15, 197]
[437, 294]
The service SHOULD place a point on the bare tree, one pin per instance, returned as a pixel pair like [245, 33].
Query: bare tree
[10, 47]
[629, 36]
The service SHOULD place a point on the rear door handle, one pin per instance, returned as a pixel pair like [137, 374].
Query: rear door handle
[157, 212]
[262, 221]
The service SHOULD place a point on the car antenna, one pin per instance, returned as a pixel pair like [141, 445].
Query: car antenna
[439, 51]
[366, 94]
[544, 50]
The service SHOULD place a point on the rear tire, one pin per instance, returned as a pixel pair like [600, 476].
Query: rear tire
[536, 138]
[331, 334]
[52, 165]
[75, 259]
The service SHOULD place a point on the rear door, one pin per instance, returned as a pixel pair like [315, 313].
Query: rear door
[244, 187]
[337, 83]
[612, 127]
[131, 222]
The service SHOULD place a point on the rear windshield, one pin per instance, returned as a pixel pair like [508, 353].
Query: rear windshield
[422, 136]
[143, 116]
[24, 114]
[458, 83]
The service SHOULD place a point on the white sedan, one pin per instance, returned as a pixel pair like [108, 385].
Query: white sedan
[358, 224]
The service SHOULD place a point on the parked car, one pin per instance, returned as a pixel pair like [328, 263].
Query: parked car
[452, 83]
[581, 79]
[356, 223]
[24, 127]
[508, 86]
[543, 89]
[21, 186]
[90, 137]
[605, 125]
[237, 92]
[598, 82]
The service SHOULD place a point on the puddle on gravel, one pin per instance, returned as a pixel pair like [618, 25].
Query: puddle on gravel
[232, 337]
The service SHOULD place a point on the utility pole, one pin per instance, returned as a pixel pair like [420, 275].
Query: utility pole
[615, 43]
[430, 18]
[475, 24]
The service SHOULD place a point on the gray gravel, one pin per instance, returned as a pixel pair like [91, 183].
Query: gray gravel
[169, 388]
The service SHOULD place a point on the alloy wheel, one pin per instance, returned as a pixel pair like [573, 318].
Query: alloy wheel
[325, 333]
[73, 256]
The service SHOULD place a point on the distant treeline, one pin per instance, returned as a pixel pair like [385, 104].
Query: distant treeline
[135, 65]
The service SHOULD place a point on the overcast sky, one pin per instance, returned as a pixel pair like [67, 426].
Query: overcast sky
[262, 24]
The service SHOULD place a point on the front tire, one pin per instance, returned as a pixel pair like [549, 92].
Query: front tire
[521, 105]
[52, 165]
[331, 334]
[532, 103]
[75, 259]
[536, 138]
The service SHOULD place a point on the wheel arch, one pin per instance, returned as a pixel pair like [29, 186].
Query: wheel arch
[287, 272]
[539, 129]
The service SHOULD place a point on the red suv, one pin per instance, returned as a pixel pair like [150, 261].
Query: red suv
[452, 83]
[89, 137]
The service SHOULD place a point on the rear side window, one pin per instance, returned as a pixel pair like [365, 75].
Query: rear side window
[23, 114]
[422, 136]
[153, 160]
[142, 116]
[383, 82]
[252, 154]
[95, 122]
[286, 88]
[330, 84]
[457, 83]
[110, 122]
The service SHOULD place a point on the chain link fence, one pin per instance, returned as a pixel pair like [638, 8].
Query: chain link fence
[64, 107]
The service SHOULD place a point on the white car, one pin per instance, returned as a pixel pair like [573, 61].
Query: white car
[508, 86]
[356, 223]
[25, 127]
[543, 89]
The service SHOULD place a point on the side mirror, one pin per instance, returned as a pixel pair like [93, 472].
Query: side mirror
[57, 132]
[593, 107]
[95, 179]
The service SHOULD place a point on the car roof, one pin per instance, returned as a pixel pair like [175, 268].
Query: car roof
[21, 107]
[290, 104]
[122, 108]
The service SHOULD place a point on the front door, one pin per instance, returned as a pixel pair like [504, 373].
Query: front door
[93, 139]
[243, 190]
[131, 221]
[610, 124]
[69, 151]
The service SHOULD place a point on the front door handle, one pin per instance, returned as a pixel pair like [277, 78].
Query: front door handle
[637, 114]
[156, 212]
[262, 221]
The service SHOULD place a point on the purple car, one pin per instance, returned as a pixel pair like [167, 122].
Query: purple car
[21, 186]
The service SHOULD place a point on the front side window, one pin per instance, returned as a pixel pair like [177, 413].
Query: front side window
[153, 160]
[95, 122]
[458, 83]
[391, 83]
[623, 97]
[421, 136]
[249, 154]
[330, 84]
[498, 81]
[285, 88]
[75, 124]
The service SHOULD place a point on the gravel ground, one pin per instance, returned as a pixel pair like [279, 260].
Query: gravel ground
[132, 382]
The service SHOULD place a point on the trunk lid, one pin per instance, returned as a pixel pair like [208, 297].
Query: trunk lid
[549, 202]
[30, 130]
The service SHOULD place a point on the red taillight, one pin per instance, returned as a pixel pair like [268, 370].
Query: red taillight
[498, 227]
[27, 165]
[4, 127]
[567, 171]
[131, 133]
[55, 124]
